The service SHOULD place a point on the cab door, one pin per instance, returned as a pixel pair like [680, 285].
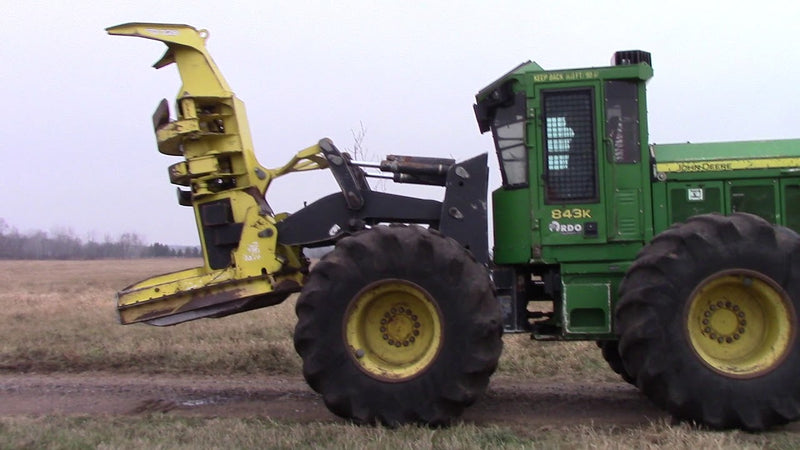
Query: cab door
[570, 177]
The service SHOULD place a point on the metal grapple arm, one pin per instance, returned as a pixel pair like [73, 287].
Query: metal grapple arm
[221, 179]
[252, 257]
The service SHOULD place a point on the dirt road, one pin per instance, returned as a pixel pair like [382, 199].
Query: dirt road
[509, 401]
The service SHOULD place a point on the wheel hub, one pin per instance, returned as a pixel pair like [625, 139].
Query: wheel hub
[393, 329]
[399, 326]
[740, 323]
[724, 321]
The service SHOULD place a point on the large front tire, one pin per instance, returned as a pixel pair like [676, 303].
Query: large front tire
[398, 325]
[708, 322]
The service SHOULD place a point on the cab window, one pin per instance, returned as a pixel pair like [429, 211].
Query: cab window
[570, 159]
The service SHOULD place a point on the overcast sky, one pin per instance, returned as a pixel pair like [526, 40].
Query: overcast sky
[77, 149]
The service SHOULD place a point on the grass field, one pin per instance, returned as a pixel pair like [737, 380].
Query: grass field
[49, 307]
[59, 316]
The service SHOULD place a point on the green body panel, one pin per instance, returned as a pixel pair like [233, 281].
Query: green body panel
[562, 254]
[759, 197]
[640, 189]
[757, 177]
[685, 200]
[515, 228]
[587, 306]
[584, 310]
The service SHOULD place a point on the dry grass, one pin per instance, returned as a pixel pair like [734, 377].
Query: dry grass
[160, 431]
[567, 361]
[60, 316]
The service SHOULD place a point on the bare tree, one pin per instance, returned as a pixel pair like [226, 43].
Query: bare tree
[131, 244]
[360, 152]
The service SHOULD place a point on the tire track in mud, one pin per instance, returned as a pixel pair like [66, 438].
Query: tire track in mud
[513, 402]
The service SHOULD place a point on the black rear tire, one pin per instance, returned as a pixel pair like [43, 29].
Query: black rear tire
[683, 331]
[421, 270]
[610, 351]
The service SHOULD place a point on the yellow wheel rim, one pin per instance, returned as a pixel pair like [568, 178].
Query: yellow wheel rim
[740, 323]
[393, 330]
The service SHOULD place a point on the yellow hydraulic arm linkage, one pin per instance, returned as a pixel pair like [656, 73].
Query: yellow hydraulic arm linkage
[244, 265]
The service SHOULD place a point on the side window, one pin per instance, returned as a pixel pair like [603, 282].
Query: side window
[508, 129]
[570, 159]
[622, 120]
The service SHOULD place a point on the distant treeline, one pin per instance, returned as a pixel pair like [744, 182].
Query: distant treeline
[63, 244]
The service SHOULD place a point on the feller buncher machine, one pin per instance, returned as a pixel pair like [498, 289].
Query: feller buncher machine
[680, 261]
